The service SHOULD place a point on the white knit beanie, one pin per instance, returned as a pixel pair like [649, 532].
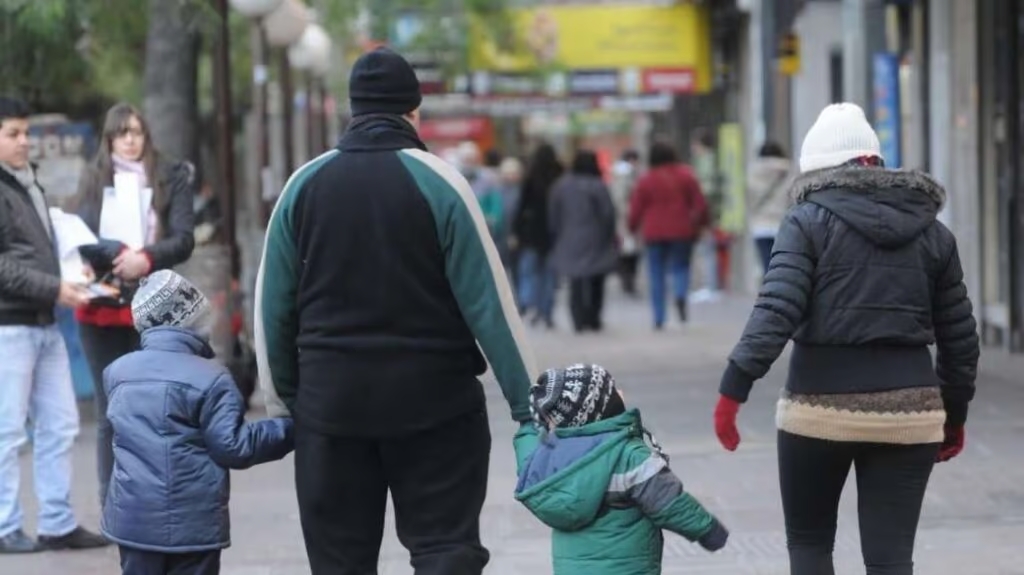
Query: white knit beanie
[840, 134]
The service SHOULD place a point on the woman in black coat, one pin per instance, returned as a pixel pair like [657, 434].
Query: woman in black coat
[863, 278]
[584, 248]
[106, 328]
[536, 280]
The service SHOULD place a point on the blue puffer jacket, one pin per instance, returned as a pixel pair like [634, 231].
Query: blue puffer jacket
[179, 426]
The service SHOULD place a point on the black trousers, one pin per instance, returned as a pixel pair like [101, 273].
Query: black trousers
[891, 482]
[102, 346]
[586, 302]
[138, 562]
[438, 483]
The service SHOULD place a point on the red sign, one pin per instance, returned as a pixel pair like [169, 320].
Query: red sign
[453, 128]
[674, 80]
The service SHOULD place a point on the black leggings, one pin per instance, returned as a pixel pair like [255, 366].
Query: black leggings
[891, 481]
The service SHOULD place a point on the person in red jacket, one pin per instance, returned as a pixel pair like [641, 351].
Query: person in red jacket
[669, 210]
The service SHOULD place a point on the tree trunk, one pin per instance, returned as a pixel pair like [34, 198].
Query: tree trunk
[172, 68]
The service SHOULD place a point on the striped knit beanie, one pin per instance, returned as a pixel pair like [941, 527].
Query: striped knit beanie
[167, 299]
[574, 396]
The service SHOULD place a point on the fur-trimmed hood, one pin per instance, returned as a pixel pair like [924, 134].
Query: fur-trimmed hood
[889, 207]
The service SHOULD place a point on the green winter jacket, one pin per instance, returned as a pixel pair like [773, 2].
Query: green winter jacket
[607, 496]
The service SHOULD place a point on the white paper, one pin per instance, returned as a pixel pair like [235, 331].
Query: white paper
[121, 217]
[71, 233]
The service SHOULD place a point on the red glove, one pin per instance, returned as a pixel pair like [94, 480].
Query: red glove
[953, 444]
[725, 422]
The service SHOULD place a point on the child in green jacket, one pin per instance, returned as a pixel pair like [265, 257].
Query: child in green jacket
[589, 470]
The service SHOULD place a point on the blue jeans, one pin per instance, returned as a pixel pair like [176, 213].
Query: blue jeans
[536, 284]
[664, 258]
[35, 384]
[709, 253]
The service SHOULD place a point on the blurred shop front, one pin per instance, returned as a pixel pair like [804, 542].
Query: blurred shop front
[605, 85]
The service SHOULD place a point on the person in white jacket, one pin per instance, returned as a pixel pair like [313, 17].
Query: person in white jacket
[768, 198]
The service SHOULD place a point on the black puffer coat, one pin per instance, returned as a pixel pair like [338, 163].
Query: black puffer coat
[863, 278]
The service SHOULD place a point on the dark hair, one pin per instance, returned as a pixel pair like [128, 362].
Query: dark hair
[867, 162]
[585, 163]
[704, 137]
[14, 109]
[100, 172]
[630, 155]
[542, 170]
[771, 149]
[492, 159]
[662, 154]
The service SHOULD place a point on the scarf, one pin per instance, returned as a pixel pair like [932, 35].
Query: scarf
[27, 178]
[150, 222]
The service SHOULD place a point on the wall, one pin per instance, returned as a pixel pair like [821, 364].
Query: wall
[811, 88]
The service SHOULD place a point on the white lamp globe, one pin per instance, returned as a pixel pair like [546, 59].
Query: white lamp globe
[285, 25]
[312, 52]
[255, 8]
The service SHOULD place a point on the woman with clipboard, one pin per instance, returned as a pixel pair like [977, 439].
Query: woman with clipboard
[139, 203]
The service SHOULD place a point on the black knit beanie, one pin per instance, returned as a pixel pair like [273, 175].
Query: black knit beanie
[382, 82]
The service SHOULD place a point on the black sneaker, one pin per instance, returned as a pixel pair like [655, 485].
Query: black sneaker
[18, 542]
[78, 539]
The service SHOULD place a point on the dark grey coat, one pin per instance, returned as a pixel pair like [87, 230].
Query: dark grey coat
[863, 278]
[582, 220]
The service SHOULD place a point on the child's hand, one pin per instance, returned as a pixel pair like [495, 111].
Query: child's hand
[716, 538]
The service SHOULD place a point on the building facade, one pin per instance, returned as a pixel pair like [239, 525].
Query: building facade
[943, 82]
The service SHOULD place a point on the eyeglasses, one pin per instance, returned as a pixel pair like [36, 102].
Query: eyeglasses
[133, 132]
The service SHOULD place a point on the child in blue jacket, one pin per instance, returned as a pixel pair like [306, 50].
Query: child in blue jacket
[589, 470]
[179, 426]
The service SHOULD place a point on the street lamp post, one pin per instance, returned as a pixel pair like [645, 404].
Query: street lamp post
[225, 137]
[285, 26]
[311, 54]
[256, 10]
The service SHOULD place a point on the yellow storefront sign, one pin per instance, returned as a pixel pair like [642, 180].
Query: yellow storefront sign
[600, 37]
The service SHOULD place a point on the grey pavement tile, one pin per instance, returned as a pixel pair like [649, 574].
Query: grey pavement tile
[972, 523]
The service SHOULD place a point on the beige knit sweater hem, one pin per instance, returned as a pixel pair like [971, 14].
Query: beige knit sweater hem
[856, 426]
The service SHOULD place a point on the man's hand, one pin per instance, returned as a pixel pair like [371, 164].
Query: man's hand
[72, 295]
[131, 265]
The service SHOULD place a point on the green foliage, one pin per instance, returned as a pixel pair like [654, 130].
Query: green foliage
[76, 55]
[442, 37]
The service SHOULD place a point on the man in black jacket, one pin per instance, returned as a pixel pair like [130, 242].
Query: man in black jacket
[378, 288]
[35, 378]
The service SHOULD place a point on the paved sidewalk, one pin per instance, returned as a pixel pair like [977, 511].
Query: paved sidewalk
[973, 521]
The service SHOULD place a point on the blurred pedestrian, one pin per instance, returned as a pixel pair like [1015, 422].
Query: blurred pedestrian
[537, 281]
[669, 211]
[705, 167]
[35, 374]
[624, 176]
[590, 470]
[582, 224]
[863, 279]
[179, 426]
[105, 326]
[769, 180]
[378, 267]
[511, 185]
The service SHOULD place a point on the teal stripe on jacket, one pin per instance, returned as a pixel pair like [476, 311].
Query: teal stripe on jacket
[477, 277]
